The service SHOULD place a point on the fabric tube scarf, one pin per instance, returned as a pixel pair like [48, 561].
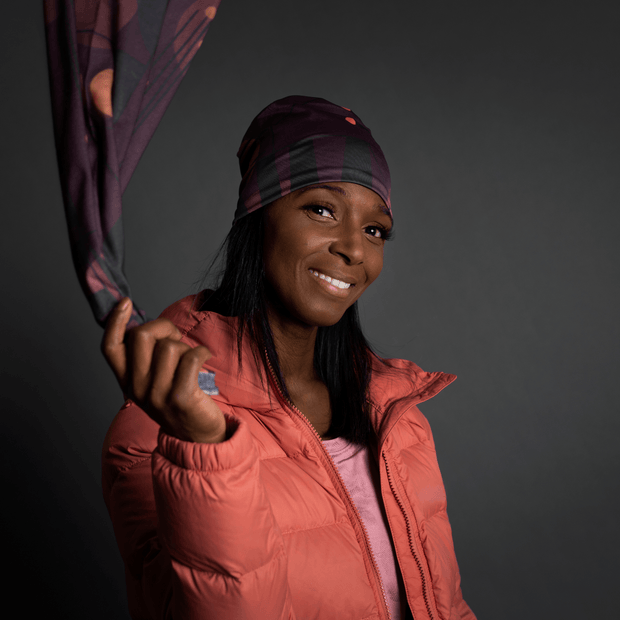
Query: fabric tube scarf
[299, 141]
[114, 66]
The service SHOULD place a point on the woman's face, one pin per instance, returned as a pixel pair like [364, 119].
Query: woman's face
[330, 231]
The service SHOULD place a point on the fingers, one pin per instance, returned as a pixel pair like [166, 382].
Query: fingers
[112, 345]
[129, 353]
[197, 417]
[185, 382]
[174, 399]
[174, 374]
[160, 374]
[140, 346]
[166, 356]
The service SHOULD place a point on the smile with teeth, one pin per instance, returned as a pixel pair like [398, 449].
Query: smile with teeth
[332, 281]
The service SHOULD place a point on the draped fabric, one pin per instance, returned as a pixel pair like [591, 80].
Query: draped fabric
[114, 66]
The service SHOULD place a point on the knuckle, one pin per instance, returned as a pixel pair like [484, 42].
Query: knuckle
[170, 348]
[195, 352]
[165, 346]
[171, 326]
[140, 334]
[190, 355]
[164, 325]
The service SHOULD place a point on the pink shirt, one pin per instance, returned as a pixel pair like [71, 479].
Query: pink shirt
[360, 475]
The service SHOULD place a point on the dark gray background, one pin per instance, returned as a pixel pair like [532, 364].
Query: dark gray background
[500, 123]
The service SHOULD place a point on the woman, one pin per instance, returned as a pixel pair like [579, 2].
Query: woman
[308, 487]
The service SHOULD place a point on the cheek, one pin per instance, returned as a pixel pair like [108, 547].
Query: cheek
[274, 270]
[280, 259]
[375, 265]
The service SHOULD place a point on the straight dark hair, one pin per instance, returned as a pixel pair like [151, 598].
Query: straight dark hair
[342, 356]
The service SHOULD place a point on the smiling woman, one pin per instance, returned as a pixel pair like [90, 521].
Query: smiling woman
[308, 487]
[331, 239]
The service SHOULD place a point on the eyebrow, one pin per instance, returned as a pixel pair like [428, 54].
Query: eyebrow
[339, 190]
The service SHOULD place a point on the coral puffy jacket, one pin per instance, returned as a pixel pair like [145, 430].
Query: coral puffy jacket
[261, 526]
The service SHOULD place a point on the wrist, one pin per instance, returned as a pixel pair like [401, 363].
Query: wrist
[216, 435]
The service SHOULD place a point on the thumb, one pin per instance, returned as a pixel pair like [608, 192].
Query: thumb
[112, 344]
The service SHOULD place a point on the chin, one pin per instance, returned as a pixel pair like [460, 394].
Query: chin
[321, 317]
[309, 310]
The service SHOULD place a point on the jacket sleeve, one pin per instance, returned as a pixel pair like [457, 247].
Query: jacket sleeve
[464, 612]
[193, 524]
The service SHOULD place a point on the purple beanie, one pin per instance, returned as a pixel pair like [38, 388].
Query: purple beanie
[299, 141]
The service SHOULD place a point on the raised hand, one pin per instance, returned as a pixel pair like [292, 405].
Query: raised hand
[160, 373]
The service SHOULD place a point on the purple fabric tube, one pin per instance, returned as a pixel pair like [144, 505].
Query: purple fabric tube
[299, 141]
[113, 67]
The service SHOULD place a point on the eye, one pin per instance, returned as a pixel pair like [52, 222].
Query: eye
[321, 211]
[378, 232]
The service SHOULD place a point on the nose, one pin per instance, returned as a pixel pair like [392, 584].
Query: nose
[349, 244]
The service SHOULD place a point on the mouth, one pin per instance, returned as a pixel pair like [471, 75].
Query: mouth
[332, 284]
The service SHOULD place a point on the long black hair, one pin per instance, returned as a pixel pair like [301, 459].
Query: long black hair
[342, 356]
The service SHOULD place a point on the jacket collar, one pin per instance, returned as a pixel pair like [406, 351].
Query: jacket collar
[396, 384]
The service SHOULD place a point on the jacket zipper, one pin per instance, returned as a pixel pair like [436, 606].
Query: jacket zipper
[410, 537]
[305, 421]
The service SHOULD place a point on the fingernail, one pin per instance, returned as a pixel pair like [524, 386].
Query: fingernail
[125, 304]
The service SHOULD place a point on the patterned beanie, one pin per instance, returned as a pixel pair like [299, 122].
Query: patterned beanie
[299, 141]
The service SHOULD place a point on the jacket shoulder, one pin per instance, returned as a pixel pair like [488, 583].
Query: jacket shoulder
[185, 314]
[395, 380]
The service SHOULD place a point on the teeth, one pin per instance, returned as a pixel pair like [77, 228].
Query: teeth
[331, 281]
